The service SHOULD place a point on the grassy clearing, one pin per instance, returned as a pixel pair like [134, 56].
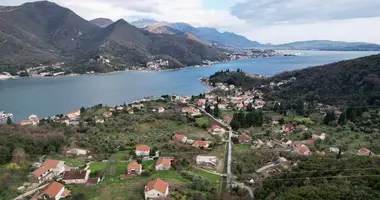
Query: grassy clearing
[242, 147]
[202, 120]
[149, 163]
[98, 166]
[210, 176]
[100, 111]
[73, 161]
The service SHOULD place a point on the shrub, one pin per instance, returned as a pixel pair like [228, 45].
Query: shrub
[146, 173]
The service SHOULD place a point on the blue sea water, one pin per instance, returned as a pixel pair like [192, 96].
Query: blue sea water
[48, 96]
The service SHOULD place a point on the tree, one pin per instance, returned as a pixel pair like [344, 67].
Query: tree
[249, 119]
[342, 118]
[330, 116]
[300, 107]
[235, 124]
[9, 121]
[216, 111]
[19, 156]
[82, 110]
[241, 119]
[146, 173]
[208, 109]
[153, 151]
[351, 114]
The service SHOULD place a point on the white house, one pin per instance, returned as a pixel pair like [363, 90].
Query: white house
[333, 150]
[207, 160]
[48, 171]
[77, 152]
[74, 114]
[321, 136]
[142, 150]
[163, 164]
[54, 190]
[161, 109]
[156, 188]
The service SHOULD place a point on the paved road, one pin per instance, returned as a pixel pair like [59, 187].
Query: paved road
[230, 176]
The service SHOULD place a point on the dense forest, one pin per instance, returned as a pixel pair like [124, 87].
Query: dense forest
[325, 178]
[347, 82]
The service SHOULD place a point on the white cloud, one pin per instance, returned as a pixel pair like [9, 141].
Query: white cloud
[275, 21]
[301, 11]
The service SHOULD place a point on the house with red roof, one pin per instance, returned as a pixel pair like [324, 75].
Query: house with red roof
[54, 190]
[163, 164]
[142, 150]
[216, 129]
[107, 114]
[48, 171]
[179, 138]
[200, 143]
[26, 122]
[76, 176]
[319, 135]
[134, 168]
[201, 102]
[301, 149]
[227, 118]
[364, 152]
[156, 188]
[244, 139]
[287, 128]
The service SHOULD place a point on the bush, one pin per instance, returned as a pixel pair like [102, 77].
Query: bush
[146, 173]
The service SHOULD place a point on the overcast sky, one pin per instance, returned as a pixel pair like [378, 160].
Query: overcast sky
[275, 21]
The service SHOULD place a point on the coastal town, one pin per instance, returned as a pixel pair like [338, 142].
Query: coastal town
[215, 129]
[60, 68]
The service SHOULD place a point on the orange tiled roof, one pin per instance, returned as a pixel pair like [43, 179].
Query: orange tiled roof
[49, 164]
[163, 161]
[134, 165]
[158, 185]
[178, 137]
[201, 143]
[142, 148]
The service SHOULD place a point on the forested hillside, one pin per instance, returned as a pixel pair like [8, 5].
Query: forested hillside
[347, 82]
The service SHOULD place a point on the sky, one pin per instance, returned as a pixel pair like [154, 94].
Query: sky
[266, 21]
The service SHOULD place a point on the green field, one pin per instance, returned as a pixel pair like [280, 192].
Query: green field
[73, 161]
[98, 166]
[149, 163]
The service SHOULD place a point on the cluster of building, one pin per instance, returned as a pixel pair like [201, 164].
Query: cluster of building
[237, 54]
[194, 143]
[32, 120]
[157, 64]
[240, 100]
[102, 59]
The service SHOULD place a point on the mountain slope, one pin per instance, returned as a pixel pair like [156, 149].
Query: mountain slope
[141, 45]
[44, 32]
[60, 27]
[101, 22]
[203, 33]
[330, 45]
[352, 81]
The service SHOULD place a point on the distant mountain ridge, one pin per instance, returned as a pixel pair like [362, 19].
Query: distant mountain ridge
[44, 32]
[101, 22]
[210, 35]
[329, 45]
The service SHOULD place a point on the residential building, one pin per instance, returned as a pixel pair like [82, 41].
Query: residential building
[99, 121]
[200, 143]
[138, 106]
[217, 129]
[227, 119]
[319, 135]
[142, 150]
[73, 115]
[54, 191]
[191, 111]
[207, 160]
[77, 152]
[276, 119]
[161, 109]
[364, 152]
[156, 188]
[201, 102]
[333, 150]
[119, 108]
[107, 114]
[180, 138]
[302, 149]
[48, 171]
[244, 139]
[286, 142]
[163, 164]
[26, 122]
[134, 168]
[288, 128]
[76, 177]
